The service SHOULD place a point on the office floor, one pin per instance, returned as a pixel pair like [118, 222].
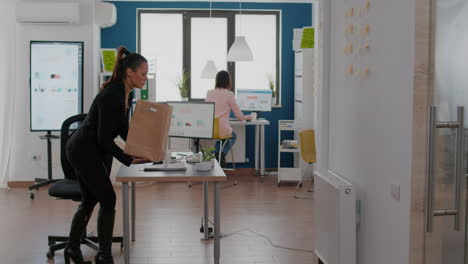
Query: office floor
[168, 222]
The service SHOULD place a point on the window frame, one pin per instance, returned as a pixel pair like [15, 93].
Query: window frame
[229, 14]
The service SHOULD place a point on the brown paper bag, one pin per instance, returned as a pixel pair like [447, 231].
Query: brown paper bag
[148, 131]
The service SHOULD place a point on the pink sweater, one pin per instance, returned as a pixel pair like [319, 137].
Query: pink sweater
[224, 102]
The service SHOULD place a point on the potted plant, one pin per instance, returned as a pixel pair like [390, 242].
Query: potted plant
[207, 162]
[271, 85]
[183, 86]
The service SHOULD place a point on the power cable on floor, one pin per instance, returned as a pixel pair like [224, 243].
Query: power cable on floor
[260, 235]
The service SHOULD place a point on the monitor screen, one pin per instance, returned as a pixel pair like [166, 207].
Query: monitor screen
[192, 119]
[56, 83]
[254, 100]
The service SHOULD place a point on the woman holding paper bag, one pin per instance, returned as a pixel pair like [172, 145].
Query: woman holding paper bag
[90, 150]
[225, 101]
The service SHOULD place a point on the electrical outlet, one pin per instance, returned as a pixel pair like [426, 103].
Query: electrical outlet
[395, 191]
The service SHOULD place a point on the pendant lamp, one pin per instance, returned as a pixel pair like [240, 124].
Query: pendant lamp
[240, 50]
[209, 71]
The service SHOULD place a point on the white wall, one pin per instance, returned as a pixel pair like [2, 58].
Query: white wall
[26, 143]
[370, 121]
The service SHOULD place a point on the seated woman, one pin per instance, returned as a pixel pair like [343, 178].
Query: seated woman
[225, 101]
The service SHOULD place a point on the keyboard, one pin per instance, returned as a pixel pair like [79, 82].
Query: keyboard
[177, 166]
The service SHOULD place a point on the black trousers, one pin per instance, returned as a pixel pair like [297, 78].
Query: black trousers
[93, 172]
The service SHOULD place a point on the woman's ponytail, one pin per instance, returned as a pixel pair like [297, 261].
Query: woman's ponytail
[118, 73]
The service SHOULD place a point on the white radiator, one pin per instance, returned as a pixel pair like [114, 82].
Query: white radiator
[335, 220]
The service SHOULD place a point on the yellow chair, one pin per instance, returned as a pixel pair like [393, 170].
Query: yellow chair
[308, 154]
[223, 140]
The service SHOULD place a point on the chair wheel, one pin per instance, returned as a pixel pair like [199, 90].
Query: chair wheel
[32, 195]
[50, 254]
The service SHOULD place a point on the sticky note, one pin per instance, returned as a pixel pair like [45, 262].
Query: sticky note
[308, 38]
[366, 72]
[368, 4]
[350, 69]
[108, 59]
[366, 30]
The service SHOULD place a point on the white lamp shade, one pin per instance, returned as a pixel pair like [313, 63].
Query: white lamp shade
[209, 71]
[240, 50]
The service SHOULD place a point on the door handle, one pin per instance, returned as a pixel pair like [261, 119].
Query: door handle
[459, 167]
[431, 142]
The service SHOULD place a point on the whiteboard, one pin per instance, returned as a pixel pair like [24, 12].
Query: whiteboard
[56, 83]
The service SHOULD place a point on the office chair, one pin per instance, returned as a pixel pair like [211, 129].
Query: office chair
[69, 189]
[223, 141]
[308, 154]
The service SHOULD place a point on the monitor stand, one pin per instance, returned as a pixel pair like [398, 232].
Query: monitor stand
[196, 145]
[39, 182]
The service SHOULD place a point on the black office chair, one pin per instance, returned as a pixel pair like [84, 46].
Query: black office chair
[69, 189]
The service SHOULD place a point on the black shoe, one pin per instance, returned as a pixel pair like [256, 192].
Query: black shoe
[105, 228]
[77, 231]
[222, 163]
[76, 256]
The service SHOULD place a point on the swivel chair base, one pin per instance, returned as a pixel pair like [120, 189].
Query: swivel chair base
[90, 241]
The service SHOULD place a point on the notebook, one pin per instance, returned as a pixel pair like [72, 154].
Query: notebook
[176, 166]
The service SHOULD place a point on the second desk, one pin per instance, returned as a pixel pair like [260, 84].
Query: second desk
[259, 141]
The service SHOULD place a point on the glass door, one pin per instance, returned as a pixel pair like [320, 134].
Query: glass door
[445, 237]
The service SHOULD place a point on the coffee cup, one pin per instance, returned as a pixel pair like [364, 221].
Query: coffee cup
[253, 116]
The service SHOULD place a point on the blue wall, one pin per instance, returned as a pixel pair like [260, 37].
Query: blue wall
[293, 15]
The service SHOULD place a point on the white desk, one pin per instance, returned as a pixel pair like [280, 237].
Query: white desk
[135, 173]
[259, 141]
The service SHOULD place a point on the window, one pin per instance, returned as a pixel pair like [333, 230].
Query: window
[208, 42]
[161, 42]
[260, 33]
[184, 40]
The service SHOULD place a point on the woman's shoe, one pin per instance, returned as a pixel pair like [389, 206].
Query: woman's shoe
[74, 255]
[104, 259]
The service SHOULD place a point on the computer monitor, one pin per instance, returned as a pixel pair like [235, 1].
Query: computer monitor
[254, 100]
[192, 119]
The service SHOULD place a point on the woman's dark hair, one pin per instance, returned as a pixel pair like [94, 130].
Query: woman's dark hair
[125, 59]
[223, 79]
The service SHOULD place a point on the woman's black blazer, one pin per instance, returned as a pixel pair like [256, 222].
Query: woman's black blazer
[106, 119]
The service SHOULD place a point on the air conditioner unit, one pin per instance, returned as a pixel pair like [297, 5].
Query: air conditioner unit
[47, 13]
[106, 14]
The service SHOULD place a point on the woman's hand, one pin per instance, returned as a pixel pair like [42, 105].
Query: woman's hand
[140, 160]
[248, 117]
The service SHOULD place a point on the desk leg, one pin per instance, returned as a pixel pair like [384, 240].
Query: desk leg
[126, 228]
[262, 150]
[133, 210]
[205, 211]
[217, 226]
[257, 142]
